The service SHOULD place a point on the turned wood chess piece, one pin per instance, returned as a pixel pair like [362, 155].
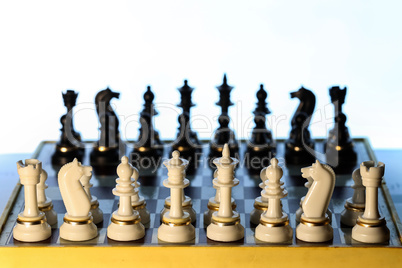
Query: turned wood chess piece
[339, 149]
[78, 222]
[187, 142]
[149, 148]
[104, 157]
[225, 223]
[31, 224]
[299, 148]
[125, 222]
[261, 147]
[314, 223]
[371, 227]
[176, 224]
[354, 206]
[69, 145]
[223, 134]
[45, 204]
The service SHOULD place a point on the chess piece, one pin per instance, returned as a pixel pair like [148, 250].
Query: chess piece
[354, 206]
[45, 204]
[138, 202]
[274, 223]
[223, 134]
[299, 211]
[96, 212]
[213, 203]
[261, 202]
[148, 147]
[261, 147]
[187, 206]
[299, 148]
[126, 222]
[176, 224]
[225, 223]
[339, 149]
[187, 142]
[314, 223]
[69, 146]
[371, 227]
[78, 222]
[31, 224]
[104, 157]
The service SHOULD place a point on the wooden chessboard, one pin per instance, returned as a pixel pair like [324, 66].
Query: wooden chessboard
[203, 251]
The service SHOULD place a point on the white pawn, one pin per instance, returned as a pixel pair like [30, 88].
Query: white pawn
[176, 224]
[44, 203]
[78, 222]
[213, 203]
[126, 222]
[31, 223]
[225, 223]
[354, 206]
[371, 227]
[96, 212]
[138, 202]
[314, 223]
[274, 223]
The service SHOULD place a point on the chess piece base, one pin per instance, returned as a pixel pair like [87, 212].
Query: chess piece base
[341, 158]
[314, 231]
[350, 214]
[144, 213]
[225, 233]
[104, 161]
[97, 213]
[51, 215]
[370, 232]
[258, 157]
[125, 230]
[213, 206]
[31, 231]
[176, 233]
[296, 155]
[259, 208]
[78, 229]
[187, 206]
[60, 158]
[274, 233]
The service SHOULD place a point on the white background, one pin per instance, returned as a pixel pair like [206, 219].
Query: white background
[47, 47]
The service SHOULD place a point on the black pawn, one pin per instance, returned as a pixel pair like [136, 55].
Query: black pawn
[299, 148]
[261, 147]
[223, 134]
[339, 149]
[105, 154]
[148, 149]
[69, 146]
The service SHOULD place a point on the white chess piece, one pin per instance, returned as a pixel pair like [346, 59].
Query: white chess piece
[314, 223]
[126, 222]
[299, 211]
[274, 223]
[31, 223]
[225, 223]
[78, 222]
[138, 202]
[261, 202]
[96, 212]
[44, 203]
[176, 224]
[354, 206]
[371, 227]
[213, 203]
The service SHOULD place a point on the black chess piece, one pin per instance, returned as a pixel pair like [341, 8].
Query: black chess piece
[261, 147]
[148, 149]
[339, 149]
[299, 148]
[69, 146]
[105, 155]
[223, 134]
[187, 142]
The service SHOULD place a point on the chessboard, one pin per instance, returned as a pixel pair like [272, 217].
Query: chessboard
[202, 251]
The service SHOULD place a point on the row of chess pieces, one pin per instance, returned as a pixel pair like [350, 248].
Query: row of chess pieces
[221, 218]
[299, 147]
